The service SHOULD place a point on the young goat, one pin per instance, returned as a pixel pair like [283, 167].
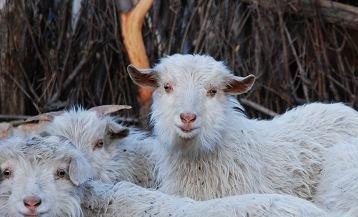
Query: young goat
[116, 152]
[208, 149]
[45, 177]
[126, 199]
[41, 177]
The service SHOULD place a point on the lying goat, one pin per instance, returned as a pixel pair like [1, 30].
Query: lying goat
[41, 177]
[45, 177]
[125, 199]
[116, 152]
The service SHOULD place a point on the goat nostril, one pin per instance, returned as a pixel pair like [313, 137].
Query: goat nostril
[32, 202]
[187, 117]
[192, 117]
[182, 117]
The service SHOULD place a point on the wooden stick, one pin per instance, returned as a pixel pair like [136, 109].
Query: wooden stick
[131, 27]
[333, 12]
[13, 117]
[258, 107]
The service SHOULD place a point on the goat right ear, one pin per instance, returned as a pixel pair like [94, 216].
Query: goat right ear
[237, 85]
[143, 77]
[117, 131]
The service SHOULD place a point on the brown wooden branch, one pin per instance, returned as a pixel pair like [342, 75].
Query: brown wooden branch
[333, 12]
[13, 117]
[258, 107]
[131, 27]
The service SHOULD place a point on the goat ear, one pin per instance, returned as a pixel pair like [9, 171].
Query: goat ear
[108, 109]
[79, 170]
[117, 131]
[143, 77]
[237, 85]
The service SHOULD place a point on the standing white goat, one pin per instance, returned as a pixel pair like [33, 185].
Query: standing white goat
[116, 152]
[338, 188]
[41, 177]
[125, 199]
[209, 150]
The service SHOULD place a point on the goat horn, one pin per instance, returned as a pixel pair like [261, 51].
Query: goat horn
[49, 116]
[108, 109]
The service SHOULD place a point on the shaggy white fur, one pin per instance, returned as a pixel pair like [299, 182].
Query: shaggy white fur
[48, 169]
[126, 199]
[338, 189]
[116, 152]
[222, 152]
[53, 170]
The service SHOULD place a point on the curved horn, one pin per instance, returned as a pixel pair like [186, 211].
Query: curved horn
[108, 109]
[44, 117]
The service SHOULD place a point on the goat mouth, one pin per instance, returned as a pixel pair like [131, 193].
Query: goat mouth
[33, 214]
[187, 128]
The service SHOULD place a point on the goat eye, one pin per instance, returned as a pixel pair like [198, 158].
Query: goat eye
[168, 88]
[212, 92]
[61, 173]
[99, 144]
[7, 173]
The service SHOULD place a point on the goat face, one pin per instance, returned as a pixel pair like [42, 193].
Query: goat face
[191, 98]
[92, 132]
[40, 177]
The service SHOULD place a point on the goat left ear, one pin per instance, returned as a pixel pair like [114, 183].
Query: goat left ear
[79, 170]
[117, 131]
[237, 85]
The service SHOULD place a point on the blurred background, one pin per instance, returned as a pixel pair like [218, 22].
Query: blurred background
[59, 53]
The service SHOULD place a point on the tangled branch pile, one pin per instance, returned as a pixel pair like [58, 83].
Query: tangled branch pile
[298, 56]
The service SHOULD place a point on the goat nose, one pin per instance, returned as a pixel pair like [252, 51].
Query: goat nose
[32, 202]
[187, 117]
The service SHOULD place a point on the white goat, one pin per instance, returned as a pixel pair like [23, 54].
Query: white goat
[126, 199]
[338, 188]
[44, 177]
[41, 177]
[209, 150]
[116, 152]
